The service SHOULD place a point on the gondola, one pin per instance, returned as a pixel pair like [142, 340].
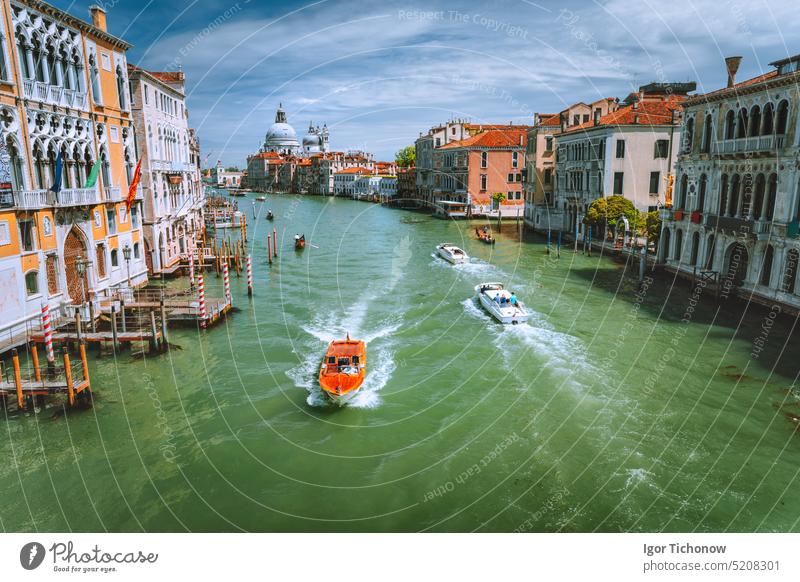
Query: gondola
[485, 235]
[299, 242]
[270, 216]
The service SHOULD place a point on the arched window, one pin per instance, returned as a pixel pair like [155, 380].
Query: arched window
[682, 191]
[121, 89]
[114, 258]
[678, 244]
[701, 195]
[730, 125]
[17, 173]
[708, 135]
[94, 74]
[772, 194]
[783, 118]
[733, 208]
[695, 248]
[761, 185]
[790, 272]
[688, 138]
[723, 195]
[755, 121]
[105, 169]
[766, 266]
[741, 126]
[768, 120]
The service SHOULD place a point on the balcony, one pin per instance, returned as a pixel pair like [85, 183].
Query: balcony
[740, 225]
[763, 143]
[53, 94]
[78, 197]
[33, 199]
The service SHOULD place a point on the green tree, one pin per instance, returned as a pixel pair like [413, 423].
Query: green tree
[608, 210]
[406, 157]
[652, 228]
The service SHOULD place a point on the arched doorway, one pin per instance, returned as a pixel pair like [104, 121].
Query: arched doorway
[148, 257]
[74, 248]
[663, 252]
[736, 260]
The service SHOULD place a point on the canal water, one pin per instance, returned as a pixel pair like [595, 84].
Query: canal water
[613, 409]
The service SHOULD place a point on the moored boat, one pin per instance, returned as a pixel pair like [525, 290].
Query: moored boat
[299, 241]
[484, 234]
[501, 304]
[343, 369]
[261, 198]
[452, 254]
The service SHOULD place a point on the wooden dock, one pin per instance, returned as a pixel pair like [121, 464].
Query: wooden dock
[57, 377]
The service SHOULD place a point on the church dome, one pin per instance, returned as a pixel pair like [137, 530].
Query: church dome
[281, 135]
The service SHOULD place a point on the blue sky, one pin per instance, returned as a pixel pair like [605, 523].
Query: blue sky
[379, 73]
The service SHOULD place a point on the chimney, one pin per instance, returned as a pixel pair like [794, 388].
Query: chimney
[732, 65]
[98, 16]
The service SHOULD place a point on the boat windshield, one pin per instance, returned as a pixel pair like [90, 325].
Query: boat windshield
[344, 362]
[332, 359]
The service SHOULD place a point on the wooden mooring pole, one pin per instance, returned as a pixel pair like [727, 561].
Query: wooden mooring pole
[68, 373]
[18, 379]
[114, 328]
[153, 331]
[164, 336]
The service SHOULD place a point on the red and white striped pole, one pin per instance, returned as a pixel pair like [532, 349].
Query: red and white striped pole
[249, 276]
[201, 291]
[191, 268]
[274, 242]
[226, 282]
[48, 333]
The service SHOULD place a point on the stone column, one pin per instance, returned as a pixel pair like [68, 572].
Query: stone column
[59, 74]
[29, 60]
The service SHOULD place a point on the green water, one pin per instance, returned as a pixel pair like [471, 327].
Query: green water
[605, 412]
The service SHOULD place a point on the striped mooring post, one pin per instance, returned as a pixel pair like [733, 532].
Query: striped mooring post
[191, 268]
[48, 333]
[249, 276]
[201, 292]
[226, 281]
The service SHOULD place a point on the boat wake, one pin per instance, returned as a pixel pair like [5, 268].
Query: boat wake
[561, 354]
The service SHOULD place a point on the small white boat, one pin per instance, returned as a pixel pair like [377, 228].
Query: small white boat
[452, 254]
[497, 301]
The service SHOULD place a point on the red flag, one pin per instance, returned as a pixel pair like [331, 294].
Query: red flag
[134, 184]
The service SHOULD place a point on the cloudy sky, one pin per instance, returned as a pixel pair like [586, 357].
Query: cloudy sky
[379, 73]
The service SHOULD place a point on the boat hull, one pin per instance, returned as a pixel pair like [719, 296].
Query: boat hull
[450, 257]
[341, 374]
[506, 313]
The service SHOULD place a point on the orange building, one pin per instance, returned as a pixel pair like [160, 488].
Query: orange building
[483, 171]
[63, 96]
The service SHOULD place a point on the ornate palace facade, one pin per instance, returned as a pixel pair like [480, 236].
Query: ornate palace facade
[737, 201]
[63, 94]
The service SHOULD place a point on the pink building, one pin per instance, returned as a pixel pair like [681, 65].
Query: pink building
[473, 170]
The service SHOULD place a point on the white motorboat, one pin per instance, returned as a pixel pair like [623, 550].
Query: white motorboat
[497, 300]
[452, 254]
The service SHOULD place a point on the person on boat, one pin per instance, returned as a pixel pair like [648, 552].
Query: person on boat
[513, 299]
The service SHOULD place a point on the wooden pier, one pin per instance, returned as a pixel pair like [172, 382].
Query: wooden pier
[61, 376]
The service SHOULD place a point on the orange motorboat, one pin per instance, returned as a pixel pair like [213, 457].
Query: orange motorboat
[343, 369]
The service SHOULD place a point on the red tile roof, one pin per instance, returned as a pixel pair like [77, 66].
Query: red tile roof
[549, 120]
[493, 139]
[648, 112]
[355, 171]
